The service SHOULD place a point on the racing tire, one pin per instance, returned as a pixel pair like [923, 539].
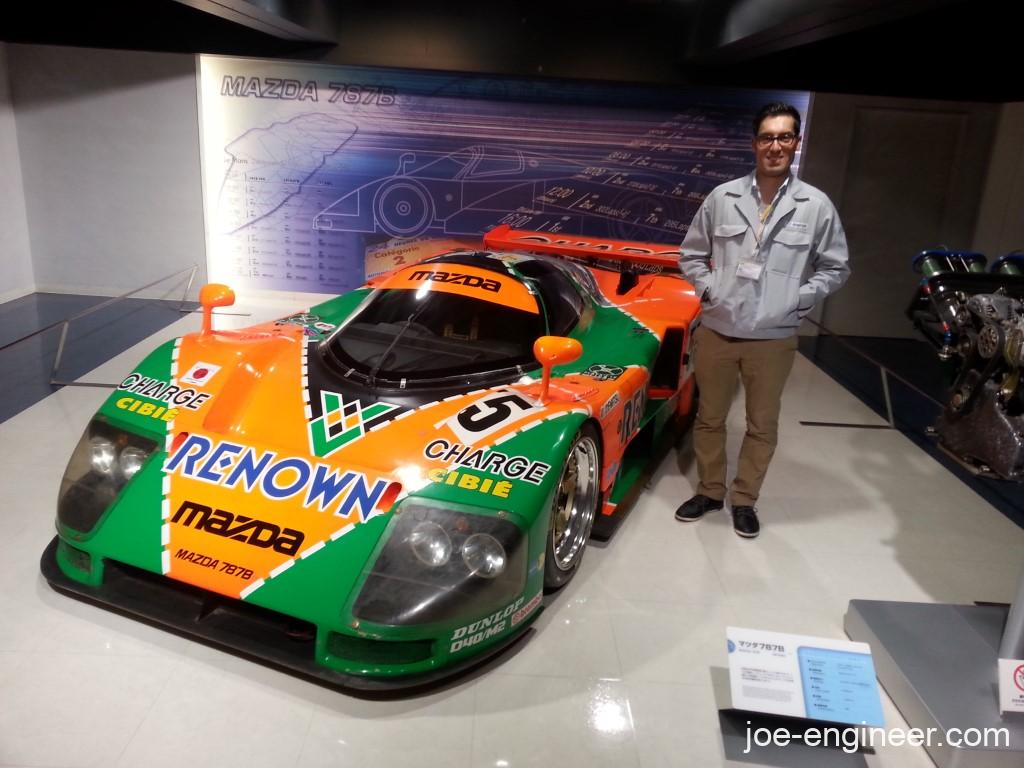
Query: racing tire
[576, 503]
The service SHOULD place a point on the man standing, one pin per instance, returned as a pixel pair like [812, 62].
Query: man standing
[747, 253]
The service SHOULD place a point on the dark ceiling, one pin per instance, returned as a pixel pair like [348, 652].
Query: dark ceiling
[945, 49]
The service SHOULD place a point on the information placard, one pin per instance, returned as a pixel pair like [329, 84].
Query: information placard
[800, 676]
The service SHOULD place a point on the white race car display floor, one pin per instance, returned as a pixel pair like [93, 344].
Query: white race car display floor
[627, 667]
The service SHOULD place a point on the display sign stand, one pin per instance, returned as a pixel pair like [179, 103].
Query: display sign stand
[939, 665]
[798, 700]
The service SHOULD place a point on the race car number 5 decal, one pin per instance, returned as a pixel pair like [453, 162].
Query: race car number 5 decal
[489, 414]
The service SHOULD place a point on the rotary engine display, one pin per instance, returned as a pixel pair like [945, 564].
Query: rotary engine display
[975, 319]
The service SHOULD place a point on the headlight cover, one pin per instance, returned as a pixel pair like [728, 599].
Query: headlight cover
[103, 461]
[442, 562]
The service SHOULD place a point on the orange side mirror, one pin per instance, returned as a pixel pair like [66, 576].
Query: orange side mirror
[213, 295]
[551, 351]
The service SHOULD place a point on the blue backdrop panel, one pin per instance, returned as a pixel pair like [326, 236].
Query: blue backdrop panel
[309, 168]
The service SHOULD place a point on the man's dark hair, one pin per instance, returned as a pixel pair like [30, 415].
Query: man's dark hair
[777, 109]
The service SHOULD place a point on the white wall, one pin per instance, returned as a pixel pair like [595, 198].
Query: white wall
[15, 251]
[109, 146]
[1001, 216]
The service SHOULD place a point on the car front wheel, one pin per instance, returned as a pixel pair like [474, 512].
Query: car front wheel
[572, 512]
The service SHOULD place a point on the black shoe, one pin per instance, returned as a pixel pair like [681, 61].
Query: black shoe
[695, 508]
[744, 522]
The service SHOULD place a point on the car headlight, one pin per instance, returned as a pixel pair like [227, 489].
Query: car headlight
[442, 562]
[131, 460]
[430, 544]
[102, 456]
[103, 461]
[483, 555]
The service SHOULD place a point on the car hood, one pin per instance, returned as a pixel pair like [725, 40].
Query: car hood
[262, 468]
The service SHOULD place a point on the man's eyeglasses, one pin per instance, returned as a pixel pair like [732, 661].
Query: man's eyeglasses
[786, 140]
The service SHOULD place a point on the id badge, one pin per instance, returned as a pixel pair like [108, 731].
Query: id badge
[751, 270]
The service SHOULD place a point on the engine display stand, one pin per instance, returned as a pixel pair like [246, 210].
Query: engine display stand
[939, 665]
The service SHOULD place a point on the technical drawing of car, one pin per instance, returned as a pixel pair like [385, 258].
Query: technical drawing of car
[458, 192]
[470, 190]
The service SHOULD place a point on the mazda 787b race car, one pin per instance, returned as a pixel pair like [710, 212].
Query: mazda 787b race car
[379, 492]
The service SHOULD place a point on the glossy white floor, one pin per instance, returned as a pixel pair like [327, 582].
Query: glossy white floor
[626, 667]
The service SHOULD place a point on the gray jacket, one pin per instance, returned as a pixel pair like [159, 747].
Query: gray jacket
[802, 236]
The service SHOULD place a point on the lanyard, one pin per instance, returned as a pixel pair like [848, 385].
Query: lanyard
[765, 215]
[767, 212]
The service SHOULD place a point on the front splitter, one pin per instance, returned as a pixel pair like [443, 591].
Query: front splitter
[245, 630]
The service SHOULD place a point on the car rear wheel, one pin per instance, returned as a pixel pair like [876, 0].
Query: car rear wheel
[576, 502]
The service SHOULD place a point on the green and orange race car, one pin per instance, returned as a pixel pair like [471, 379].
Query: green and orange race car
[380, 492]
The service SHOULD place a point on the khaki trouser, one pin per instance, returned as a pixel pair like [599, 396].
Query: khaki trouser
[763, 365]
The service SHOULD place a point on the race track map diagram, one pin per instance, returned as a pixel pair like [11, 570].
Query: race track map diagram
[312, 171]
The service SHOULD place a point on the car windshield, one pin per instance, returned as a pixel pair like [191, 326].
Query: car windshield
[405, 334]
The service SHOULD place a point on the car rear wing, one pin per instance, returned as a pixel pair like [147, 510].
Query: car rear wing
[616, 255]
